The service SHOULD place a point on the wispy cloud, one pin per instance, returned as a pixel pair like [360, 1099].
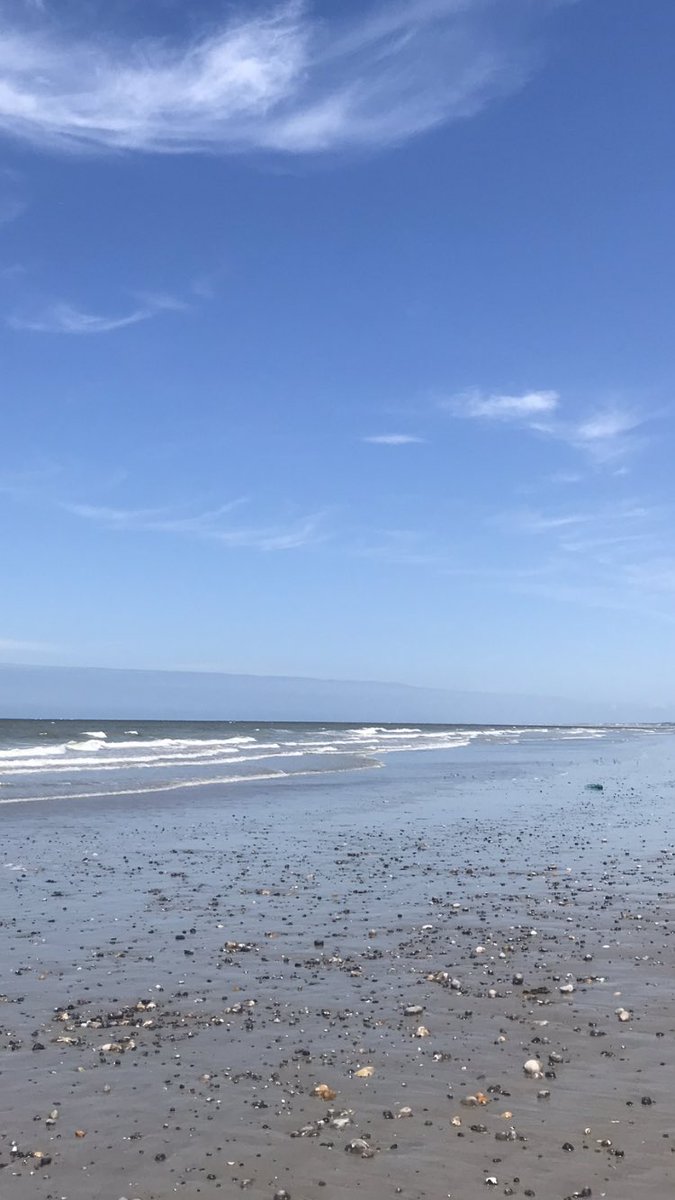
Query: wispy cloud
[502, 407]
[211, 525]
[66, 318]
[616, 556]
[154, 520]
[17, 646]
[565, 477]
[600, 517]
[604, 434]
[278, 79]
[393, 439]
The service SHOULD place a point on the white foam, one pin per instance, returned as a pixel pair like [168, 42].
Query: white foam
[178, 786]
[33, 752]
[139, 762]
[100, 756]
[90, 744]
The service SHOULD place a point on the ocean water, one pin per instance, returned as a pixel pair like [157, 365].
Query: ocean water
[52, 760]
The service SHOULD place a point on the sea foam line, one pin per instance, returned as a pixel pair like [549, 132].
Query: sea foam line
[189, 783]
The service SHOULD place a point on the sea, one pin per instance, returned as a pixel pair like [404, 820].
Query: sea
[56, 760]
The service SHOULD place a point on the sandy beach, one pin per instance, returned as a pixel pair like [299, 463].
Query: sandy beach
[181, 973]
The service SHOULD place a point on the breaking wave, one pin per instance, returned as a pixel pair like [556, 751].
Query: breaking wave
[58, 759]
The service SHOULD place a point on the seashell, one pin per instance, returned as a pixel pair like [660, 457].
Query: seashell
[361, 1147]
[340, 1122]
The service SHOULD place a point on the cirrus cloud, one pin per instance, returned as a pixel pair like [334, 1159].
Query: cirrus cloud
[274, 78]
[393, 439]
[212, 525]
[62, 317]
[603, 434]
[503, 407]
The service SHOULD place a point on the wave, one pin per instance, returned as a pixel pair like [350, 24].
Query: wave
[90, 744]
[118, 764]
[105, 752]
[125, 761]
[178, 785]
[191, 753]
[32, 752]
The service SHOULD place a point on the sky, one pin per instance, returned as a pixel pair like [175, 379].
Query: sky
[336, 340]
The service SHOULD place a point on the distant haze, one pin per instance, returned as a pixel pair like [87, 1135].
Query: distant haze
[61, 692]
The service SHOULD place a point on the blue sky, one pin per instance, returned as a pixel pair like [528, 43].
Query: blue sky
[336, 340]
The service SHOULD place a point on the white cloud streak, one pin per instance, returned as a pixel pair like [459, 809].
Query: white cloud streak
[16, 646]
[607, 425]
[393, 439]
[614, 556]
[277, 78]
[603, 519]
[500, 407]
[66, 318]
[604, 435]
[210, 525]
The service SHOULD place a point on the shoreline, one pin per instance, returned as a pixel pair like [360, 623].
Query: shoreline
[200, 908]
[61, 760]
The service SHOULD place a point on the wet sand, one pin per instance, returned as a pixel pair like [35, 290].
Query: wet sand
[180, 973]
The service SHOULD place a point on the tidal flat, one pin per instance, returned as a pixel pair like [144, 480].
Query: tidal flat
[323, 988]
